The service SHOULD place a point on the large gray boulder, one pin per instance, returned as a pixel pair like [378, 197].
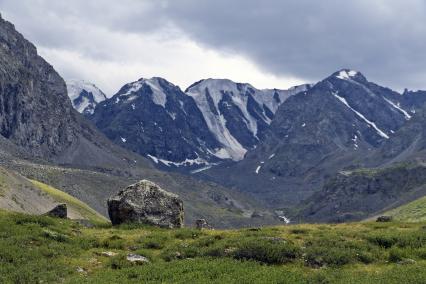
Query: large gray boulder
[146, 203]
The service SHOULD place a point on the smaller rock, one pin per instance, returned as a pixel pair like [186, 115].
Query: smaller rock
[230, 250]
[108, 253]
[384, 219]
[406, 261]
[81, 270]
[274, 239]
[254, 229]
[85, 223]
[137, 259]
[60, 211]
[256, 214]
[202, 224]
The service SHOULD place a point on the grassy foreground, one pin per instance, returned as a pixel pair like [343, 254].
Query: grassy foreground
[39, 249]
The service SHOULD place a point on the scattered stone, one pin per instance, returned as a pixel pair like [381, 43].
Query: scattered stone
[230, 250]
[406, 261]
[254, 229]
[202, 224]
[384, 219]
[81, 270]
[256, 214]
[274, 239]
[137, 259]
[60, 211]
[85, 223]
[108, 253]
[146, 203]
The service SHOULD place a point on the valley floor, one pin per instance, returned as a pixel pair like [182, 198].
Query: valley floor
[36, 249]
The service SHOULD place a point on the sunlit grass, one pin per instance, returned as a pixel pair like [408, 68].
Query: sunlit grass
[82, 208]
[36, 249]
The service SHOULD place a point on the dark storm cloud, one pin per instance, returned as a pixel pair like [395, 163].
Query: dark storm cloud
[308, 39]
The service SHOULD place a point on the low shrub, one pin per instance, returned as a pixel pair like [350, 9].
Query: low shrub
[266, 251]
[396, 255]
[326, 256]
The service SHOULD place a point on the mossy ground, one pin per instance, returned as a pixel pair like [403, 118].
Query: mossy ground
[39, 249]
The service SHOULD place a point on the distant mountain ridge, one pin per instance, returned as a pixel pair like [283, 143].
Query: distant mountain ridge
[213, 120]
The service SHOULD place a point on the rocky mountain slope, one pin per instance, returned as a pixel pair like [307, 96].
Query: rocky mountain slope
[315, 134]
[237, 114]
[84, 96]
[358, 194]
[156, 119]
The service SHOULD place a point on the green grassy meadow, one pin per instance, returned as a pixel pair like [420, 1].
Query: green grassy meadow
[40, 249]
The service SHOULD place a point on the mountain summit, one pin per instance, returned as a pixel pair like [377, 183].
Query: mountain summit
[84, 96]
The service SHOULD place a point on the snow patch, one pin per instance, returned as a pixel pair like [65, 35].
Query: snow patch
[186, 162]
[397, 106]
[378, 130]
[284, 219]
[124, 140]
[346, 75]
[258, 169]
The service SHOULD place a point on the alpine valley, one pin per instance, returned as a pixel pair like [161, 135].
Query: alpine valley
[342, 149]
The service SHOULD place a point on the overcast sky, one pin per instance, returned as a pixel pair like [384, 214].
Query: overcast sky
[269, 43]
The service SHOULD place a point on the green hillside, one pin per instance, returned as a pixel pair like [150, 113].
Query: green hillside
[414, 211]
[73, 203]
[40, 249]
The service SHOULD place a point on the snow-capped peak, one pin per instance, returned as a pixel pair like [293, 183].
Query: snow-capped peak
[217, 97]
[159, 97]
[346, 74]
[84, 95]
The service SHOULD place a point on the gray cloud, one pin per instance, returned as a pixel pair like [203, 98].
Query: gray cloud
[308, 39]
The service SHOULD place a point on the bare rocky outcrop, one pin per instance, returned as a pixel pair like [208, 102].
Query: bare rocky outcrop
[384, 219]
[146, 203]
[201, 224]
[60, 211]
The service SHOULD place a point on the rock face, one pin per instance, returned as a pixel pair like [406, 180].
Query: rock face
[36, 113]
[201, 224]
[60, 211]
[146, 203]
[34, 107]
[384, 219]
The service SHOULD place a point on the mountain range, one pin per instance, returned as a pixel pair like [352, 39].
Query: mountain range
[341, 149]
[279, 146]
